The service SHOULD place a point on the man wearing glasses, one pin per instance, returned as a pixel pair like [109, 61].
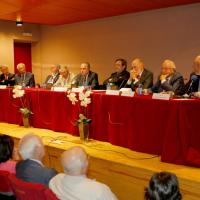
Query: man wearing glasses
[168, 80]
[195, 87]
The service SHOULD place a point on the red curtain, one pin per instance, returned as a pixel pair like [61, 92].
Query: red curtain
[22, 54]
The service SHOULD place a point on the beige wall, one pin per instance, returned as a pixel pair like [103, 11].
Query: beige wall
[153, 36]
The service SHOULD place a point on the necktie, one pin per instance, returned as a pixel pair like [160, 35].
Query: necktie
[138, 77]
[6, 78]
[84, 81]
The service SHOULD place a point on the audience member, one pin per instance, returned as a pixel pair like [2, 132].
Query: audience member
[7, 151]
[120, 76]
[139, 75]
[31, 168]
[23, 76]
[168, 80]
[195, 86]
[6, 78]
[163, 186]
[66, 78]
[74, 184]
[87, 77]
[54, 74]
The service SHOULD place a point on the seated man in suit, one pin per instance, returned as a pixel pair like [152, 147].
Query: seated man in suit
[66, 78]
[23, 76]
[31, 168]
[74, 184]
[120, 76]
[195, 87]
[139, 75]
[6, 78]
[168, 80]
[54, 74]
[87, 77]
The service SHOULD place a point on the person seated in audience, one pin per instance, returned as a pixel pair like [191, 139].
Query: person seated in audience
[7, 151]
[6, 78]
[195, 86]
[31, 169]
[54, 74]
[139, 75]
[23, 76]
[74, 184]
[120, 76]
[163, 186]
[66, 78]
[87, 77]
[168, 80]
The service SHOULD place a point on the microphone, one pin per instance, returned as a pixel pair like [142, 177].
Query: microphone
[185, 79]
[122, 83]
[193, 79]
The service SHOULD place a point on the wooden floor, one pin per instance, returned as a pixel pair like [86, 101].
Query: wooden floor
[126, 172]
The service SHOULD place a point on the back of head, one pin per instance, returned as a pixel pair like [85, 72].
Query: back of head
[27, 145]
[74, 161]
[163, 186]
[6, 147]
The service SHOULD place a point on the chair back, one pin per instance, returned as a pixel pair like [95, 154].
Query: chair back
[26, 190]
[5, 185]
[50, 195]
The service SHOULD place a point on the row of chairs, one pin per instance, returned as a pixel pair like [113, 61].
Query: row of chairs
[11, 185]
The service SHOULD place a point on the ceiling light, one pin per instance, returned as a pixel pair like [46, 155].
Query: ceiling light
[19, 23]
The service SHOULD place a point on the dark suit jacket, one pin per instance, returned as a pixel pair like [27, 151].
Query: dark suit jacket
[29, 79]
[185, 87]
[146, 80]
[119, 79]
[55, 79]
[31, 171]
[92, 80]
[175, 83]
[9, 81]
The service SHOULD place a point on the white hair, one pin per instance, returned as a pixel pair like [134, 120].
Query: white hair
[172, 63]
[64, 68]
[27, 147]
[1, 67]
[75, 167]
[20, 65]
[57, 65]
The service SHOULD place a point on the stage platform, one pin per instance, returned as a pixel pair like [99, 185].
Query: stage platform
[126, 172]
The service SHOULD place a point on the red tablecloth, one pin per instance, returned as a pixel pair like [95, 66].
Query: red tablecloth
[140, 123]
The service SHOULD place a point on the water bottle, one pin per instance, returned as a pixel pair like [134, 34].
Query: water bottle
[140, 89]
[44, 85]
[108, 86]
[59, 85]
[23, 84]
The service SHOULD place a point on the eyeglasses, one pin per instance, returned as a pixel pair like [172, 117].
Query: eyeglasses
[165, 68]
[196, 66]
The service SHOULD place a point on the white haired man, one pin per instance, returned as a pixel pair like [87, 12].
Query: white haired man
[168, 80]
[31, 168]
[23, 76]
[6, 78]
[54, 74]
[66, 78]
[74, 184]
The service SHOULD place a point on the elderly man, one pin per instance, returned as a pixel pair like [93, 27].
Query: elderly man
[54, 74]
[120, 76]
[139, 75]
[6, 78]
[23, 76]
[74, 184]
[168, 80]
[31, 168]
[66, 78]
[87, 77]
[195, 87]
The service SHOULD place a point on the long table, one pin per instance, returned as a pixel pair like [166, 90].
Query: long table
[168, 128]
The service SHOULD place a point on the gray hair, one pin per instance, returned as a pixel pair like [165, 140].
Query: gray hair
[27, 147]
[172, 63]
[1, 67]
[75, 167]
[64, 68]
[57, 65]
[20, 65]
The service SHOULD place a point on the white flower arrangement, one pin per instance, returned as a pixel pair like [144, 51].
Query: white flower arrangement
[20, 93]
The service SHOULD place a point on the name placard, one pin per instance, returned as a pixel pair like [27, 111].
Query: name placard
[112, 92]
[77, 89]
[127, 93]
[161, 96]
[3, 86]
[125, 89]
[60, 88]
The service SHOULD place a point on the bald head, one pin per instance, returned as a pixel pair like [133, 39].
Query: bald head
[74, 161]
[137, 66]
